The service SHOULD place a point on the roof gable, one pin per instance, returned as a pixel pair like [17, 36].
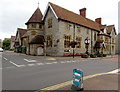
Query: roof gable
[70, 16]
[36, 17]
[110, 29]
[13, 38]
[21, 32]
[46, 11]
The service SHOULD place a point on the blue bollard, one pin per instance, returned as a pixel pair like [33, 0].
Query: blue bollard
[77, 80]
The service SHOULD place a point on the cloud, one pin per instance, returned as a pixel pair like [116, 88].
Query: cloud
[15, 13]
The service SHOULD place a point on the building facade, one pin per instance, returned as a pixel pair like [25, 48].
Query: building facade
[52, 33]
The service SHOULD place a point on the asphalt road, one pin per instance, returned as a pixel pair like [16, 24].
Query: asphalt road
[21, 72]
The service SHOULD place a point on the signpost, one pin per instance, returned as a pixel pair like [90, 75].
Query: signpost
[77, 79]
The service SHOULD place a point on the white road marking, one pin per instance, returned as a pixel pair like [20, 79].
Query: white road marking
[4, 58]
[14, 63]
[62, 62]
[114, 71]
[54, 62]
[48, 63]
[22, 65]
[31, 64]
[68, 61]
[30, 60]
[40, 64]
[74, 61]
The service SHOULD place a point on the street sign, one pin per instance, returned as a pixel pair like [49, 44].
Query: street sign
[77, 78]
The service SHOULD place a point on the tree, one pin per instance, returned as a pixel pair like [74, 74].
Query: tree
[6, 44]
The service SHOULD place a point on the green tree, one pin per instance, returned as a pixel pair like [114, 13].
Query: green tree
[6, 44]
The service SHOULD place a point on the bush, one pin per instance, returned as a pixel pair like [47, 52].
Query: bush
[104, 55]
[99, 55]
[93, 55]
[85, 56]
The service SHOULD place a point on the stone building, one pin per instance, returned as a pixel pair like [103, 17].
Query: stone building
[12, 42]
[19, 36]
[53, 32]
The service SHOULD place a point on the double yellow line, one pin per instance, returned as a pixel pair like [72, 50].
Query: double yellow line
[54, 87]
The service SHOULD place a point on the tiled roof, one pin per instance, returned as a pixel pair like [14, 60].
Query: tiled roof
[22, 31]
[13, 38]
[36, 17]
[102, 27]
[25, 35]
[110, 28]
[65, 14]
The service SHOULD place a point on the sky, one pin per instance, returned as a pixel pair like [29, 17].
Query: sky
[15, 13]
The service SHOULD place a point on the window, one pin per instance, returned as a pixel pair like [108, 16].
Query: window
[113, 40]
[67, 41]
[78, 28]
[50, 23]
[95, 36]
[107, 48]
[68, 26]
[78, 40]
[113, 48]
[49, 41]
[106, 39]
[87, 30]
[33, 25]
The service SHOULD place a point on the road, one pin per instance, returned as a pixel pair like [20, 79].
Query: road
[22, 72]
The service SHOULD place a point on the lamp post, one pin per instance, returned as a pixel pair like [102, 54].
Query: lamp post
[87, 42]
[74, 40]
[103, 46]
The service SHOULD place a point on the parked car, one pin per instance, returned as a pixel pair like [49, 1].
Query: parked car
[1, 50]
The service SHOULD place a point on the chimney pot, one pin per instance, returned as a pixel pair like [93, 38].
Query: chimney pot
[98, 20]
[83, 12]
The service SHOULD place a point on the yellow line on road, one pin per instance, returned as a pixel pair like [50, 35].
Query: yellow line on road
[54, 87]
[50, 59]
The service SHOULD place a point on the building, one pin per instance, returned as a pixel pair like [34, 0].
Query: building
[19, 35]
[12, 42]
[118, 44]
[52, 33]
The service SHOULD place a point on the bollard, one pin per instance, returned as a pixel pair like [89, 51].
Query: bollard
[77, 80]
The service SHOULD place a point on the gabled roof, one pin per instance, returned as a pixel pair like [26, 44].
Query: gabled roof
[21, 32]
[36, 17]
[25, 35]
[70, 16]
[12, 38]
[110, 28]
[102, 27]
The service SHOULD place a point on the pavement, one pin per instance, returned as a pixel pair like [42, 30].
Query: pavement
[102, 82]
[59, 58]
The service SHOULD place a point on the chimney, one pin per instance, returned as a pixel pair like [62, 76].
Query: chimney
[83, 12]
[98, 20]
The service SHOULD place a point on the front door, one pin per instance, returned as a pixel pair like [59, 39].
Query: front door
[40, 51]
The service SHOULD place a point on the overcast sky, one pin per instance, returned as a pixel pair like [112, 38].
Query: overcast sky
[15, 13]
